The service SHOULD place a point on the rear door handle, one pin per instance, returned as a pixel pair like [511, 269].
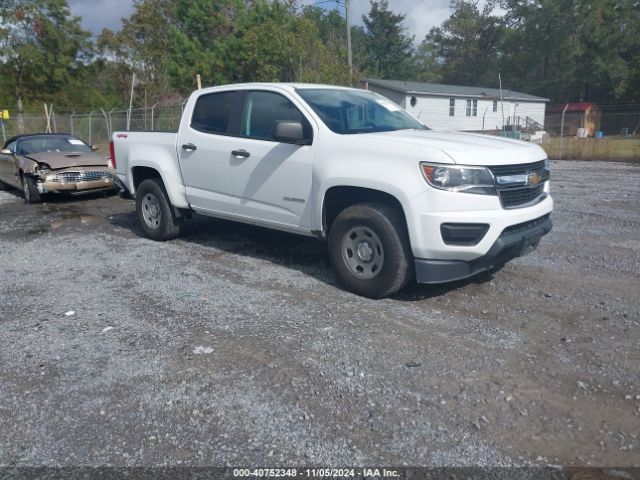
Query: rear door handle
[189, 147]
[240, 153]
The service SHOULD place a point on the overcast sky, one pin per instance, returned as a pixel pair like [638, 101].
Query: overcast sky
[421, 15]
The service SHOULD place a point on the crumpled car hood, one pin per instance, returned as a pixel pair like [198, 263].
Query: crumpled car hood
[58, 160]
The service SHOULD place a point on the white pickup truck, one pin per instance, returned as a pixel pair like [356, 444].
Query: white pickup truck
[395, 200]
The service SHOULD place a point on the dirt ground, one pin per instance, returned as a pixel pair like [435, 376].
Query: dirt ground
[234, 345]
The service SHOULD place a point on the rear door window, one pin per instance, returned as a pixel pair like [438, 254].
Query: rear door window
[212, 112]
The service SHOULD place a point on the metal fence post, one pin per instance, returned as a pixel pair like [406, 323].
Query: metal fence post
[562, 131]
[107, 121]
[90, 128]
[110, 124]
[71, 123]
[153, 109]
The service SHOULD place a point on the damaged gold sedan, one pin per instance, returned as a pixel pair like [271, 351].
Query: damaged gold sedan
[39, 164]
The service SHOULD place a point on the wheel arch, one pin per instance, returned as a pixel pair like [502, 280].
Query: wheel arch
[171, 181]
[339, 197]
[142, 173]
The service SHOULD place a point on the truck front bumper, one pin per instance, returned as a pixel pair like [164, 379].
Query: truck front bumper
[514, 241]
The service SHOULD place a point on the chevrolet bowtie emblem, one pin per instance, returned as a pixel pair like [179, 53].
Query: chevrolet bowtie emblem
[533, 179]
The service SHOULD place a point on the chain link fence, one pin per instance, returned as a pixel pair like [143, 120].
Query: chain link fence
[589, 131]
[95, 127]
[612, 133]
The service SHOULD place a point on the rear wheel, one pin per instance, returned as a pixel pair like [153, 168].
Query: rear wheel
[30, 190]
[370, 251]
[155, 213]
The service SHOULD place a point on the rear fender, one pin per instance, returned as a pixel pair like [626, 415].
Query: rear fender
[166, 166]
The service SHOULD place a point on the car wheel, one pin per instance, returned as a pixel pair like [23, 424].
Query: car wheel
[30, 190]
[155, 213]
[370, 251]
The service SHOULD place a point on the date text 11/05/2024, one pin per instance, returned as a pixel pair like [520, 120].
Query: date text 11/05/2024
[316, 472]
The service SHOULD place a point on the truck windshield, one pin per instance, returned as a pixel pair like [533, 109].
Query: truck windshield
[353, 111]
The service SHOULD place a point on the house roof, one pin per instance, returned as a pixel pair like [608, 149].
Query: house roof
[451, 90]
[571, 107]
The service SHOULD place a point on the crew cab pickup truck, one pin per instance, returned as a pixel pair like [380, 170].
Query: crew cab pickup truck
[395, 200]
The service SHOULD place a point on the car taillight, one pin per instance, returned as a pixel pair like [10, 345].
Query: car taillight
[112, 154]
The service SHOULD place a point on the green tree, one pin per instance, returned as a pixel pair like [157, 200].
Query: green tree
[204, 39]
[279, 45]
[332, 28]
[572, 50]
[141, 46]
[467, 45]
[389, 48]
[427, 64]
[43, 50]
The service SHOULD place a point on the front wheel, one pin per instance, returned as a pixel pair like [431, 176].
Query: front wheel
[30, 190]
[370, 251]
[155, 213]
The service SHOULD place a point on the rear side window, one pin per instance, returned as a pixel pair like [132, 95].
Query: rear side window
[212, 112]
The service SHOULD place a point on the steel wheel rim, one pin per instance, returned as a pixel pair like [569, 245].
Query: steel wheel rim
[362, 252]
[151, 211]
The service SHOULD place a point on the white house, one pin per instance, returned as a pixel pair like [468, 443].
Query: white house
[453, 107]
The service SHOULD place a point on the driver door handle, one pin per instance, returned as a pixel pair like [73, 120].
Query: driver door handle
[189, 147]
[240, 153]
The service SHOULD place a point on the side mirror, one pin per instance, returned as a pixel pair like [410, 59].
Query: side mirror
[6, 151]
[95, 148]
[289, 132]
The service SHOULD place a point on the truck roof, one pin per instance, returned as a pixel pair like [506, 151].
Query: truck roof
[284, 85]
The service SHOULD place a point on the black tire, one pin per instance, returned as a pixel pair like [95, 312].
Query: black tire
[155, 213]
[390, 266]
[30, 190]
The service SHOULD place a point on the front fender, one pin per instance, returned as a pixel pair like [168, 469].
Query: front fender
[25, 165]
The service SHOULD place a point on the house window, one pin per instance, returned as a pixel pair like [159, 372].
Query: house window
[452, 107]
[413, 101]
[472, 107]
[495, 106]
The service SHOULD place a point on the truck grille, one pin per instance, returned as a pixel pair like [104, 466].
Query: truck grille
[519, 195]
[515, 197]
[74, 177]
[499, 170]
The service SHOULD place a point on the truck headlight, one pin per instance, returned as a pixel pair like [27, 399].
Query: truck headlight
[459, 178]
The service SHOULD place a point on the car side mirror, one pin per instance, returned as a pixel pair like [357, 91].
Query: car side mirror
[289, 132]
[6, 151]
[95, 148]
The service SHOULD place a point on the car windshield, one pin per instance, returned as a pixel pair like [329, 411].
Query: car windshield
[51, 143]
[353, 111]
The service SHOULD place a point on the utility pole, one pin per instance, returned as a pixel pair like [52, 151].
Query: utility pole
[501, 102]
[349, 53]
[133, 84]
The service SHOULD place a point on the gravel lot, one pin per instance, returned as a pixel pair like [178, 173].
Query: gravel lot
[234, 345]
